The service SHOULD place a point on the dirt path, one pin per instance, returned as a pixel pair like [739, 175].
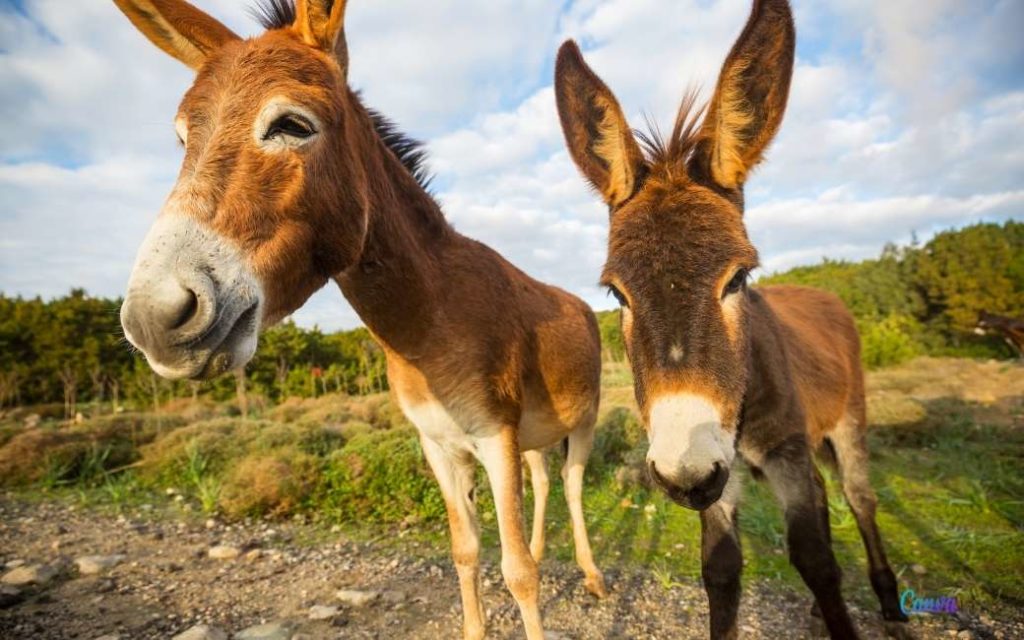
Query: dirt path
[164, 581]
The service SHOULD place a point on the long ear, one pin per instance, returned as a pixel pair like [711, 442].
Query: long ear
[746, 110]
[178, 28]
[321, 23]
[599, 138]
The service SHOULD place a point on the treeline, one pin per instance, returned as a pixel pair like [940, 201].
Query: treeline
[916, 300]
[71, 350]
[909, 301]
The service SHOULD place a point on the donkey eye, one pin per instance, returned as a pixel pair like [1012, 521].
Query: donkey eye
[738, 281]
[291, 125]
[618, 296]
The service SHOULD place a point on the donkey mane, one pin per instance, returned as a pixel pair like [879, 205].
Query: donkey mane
[273, 14]
[685, 135]
[280, 14]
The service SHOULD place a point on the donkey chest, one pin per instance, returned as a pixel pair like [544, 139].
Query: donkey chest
[456, 428]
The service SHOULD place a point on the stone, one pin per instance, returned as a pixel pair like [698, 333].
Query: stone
[357, 597]
[252, 555]
[201, 632]
[30, 574]
[9, 596]
[322, 612]
[224, 552]
[91, 565]
[268, 631]
[109, 636]
[918, 569]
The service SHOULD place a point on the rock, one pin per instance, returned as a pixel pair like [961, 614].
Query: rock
[555, 635]
[918, 569]
[201, 632]
[395, 597]
[269, 631]
[9, 596]
[91, 565]
[32, 420]
[966, 634]
[14, 564]
[357, 597]
[224, 552]
[211, 523]
[322, 612]
[30, 574]
[252, 555]
[109, 636]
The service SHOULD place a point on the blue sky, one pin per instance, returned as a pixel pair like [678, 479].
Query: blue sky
[905, 117]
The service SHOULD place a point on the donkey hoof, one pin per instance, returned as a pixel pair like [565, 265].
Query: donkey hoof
[899, 630]
[595, 585]
[894, 616]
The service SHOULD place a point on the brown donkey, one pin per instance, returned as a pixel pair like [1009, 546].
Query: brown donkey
[773, 373]
[288, 181]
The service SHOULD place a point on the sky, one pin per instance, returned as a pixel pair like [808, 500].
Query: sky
[905, 118]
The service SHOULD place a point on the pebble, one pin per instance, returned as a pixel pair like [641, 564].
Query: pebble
[322, 612]
[9, 596]
[201, 632]
[268, 631]
[30, 574]
[357, 597]
[91, 565]
[224, 552]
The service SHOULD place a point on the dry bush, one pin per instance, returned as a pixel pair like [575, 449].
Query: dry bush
[268, 484]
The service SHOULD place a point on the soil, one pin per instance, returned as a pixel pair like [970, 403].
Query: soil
[167, 583]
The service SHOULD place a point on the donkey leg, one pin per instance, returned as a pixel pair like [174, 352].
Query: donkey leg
[539, 479]
[501, 458]
[851, 449]
[455, 475]
[821, 498]
[581, 441]
[791, 475]
[722, 561]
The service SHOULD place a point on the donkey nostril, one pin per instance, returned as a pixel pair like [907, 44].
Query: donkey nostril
[189, 307]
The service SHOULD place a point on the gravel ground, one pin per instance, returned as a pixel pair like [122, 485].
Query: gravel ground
[156, 577]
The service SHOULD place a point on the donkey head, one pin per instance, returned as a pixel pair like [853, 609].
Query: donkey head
[678, 252]
[269, 202]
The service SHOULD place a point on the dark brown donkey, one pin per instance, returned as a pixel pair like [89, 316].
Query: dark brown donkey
[773, 373]
[289, 182]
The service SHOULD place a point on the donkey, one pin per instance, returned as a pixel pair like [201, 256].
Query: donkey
[1011, 330]
[288, 181]
[773, 373]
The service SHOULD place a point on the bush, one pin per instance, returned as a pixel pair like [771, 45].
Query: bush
[889, 342]
[617, 434]
[268, 484]
[380, 475]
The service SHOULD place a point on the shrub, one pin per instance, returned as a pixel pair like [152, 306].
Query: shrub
[380, 475]
[617, 434]
[889, 342]
[268, 484]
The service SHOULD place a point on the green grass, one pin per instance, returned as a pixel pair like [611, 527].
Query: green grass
[947, 460]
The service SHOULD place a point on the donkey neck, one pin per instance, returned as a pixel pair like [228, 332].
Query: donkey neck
[394, 286]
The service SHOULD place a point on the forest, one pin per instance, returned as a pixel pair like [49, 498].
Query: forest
[910, 301]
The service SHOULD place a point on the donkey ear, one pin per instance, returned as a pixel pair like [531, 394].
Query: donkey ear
[321, 24]
[746, 110]
[178, 28]
[597, 134]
